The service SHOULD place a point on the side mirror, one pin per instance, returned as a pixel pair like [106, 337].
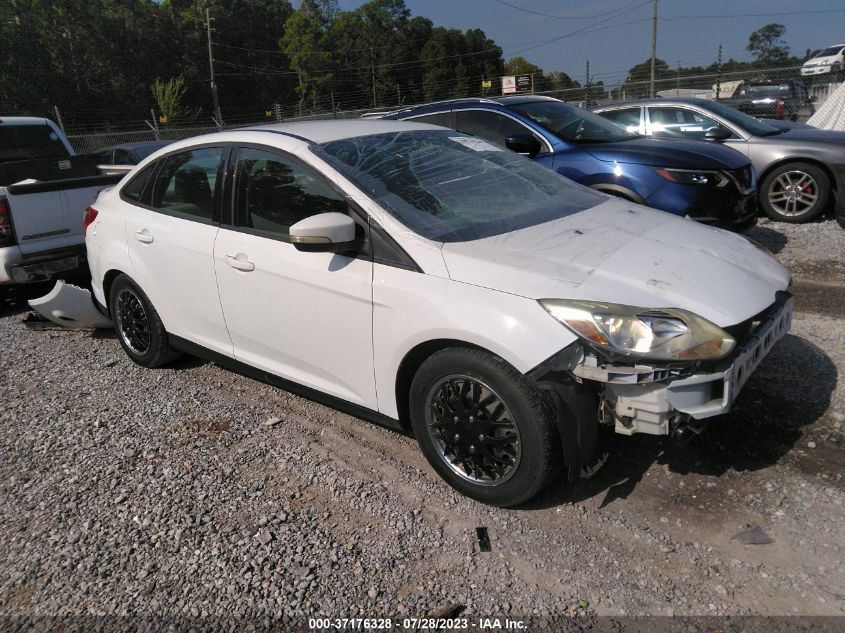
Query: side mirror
[324, 232]
[717, 133]
[525, 144]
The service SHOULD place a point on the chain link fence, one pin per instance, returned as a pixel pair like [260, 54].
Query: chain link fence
[710, 85]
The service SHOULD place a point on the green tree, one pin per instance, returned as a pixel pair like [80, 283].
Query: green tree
[768, 45]
[521, 66]
[169, 97]
[302, 41]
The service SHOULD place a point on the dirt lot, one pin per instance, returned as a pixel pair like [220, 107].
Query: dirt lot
[132, 491]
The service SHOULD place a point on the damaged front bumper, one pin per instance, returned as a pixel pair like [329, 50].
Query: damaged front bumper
[644, 399]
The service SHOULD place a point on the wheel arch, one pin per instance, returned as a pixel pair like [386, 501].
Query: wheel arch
[108, 281]
[409, 366]
[619, 191]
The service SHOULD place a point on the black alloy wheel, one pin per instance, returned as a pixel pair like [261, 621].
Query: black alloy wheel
[484, 427]
[139, 328]
[133, 325]
[473, 430]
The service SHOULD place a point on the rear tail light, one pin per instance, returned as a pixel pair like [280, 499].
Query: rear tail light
[90, 216]
[780, 107]
[7, 236]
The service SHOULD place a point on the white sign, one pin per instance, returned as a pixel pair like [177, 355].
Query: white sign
[508, 85]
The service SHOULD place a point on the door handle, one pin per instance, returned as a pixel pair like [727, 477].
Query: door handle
[240, 262]
[144, 236]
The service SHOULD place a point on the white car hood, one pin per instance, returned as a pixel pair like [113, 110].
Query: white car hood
[624, 253]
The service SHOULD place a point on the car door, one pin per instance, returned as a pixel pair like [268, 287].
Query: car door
[496, 127]
[171, 245]
[303, 316]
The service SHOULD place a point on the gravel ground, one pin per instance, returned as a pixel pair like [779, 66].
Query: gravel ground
[131, 491]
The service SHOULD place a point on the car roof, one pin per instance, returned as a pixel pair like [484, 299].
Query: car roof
[137, 145]
[335, 130]
[660, 101]
[505, 101]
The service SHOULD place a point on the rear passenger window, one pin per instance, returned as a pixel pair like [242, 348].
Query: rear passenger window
[441, 119]
[186, 183]
[134, 189]
[273, 192]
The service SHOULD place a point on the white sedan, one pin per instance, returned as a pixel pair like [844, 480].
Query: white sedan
[438, 284]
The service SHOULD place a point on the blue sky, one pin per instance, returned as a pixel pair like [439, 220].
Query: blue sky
[611, 51]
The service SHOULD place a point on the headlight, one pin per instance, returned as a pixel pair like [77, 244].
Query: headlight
[693, 177]
[662, 334]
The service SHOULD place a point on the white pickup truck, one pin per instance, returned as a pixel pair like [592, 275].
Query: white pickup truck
[44, 191]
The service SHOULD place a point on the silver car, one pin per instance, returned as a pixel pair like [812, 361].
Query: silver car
[800, 170]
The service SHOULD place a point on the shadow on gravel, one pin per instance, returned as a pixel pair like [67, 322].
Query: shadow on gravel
[772, 239]
[790, 391]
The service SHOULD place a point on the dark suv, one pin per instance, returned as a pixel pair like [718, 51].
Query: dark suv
[765, 99]
[704, 181]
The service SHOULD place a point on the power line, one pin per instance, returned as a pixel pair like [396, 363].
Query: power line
[564, 17]
[588, 29]
[750, 15]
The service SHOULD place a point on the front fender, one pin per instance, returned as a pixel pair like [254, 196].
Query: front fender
[515, 328]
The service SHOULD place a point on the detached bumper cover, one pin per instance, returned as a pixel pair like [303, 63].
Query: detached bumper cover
[643, 402]
[71, 307]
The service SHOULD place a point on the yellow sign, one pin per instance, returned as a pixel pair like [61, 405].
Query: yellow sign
[487, 84]
[268, 113]
[162, 119]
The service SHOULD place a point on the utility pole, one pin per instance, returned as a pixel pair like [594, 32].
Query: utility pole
[653, 44]
[59, 118]
[719, 74]
[588, 98]
[373, 73]
[217, 114]
[678, 84]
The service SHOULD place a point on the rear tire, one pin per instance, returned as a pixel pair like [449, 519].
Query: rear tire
[795, 192]
[138, 326]
[483, 427]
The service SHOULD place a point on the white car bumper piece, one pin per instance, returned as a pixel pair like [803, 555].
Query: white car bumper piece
[71, 307]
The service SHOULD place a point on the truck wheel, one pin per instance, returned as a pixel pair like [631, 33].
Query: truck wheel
[138, 326]
[483, 427]
[795, 192]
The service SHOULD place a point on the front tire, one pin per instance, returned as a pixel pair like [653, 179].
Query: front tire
[139, 328]
[795, 192]
[483, 427]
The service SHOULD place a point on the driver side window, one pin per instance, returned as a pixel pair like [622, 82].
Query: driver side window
[273, 192]
[679, 123]
[490, 126]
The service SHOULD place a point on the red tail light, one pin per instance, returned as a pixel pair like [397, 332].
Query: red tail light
[7, 237]
[780, 107]
[90, 216]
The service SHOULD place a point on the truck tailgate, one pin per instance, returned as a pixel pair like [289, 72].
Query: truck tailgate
[48, 215]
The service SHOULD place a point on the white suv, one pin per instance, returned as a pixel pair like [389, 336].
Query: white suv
[438, 284]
